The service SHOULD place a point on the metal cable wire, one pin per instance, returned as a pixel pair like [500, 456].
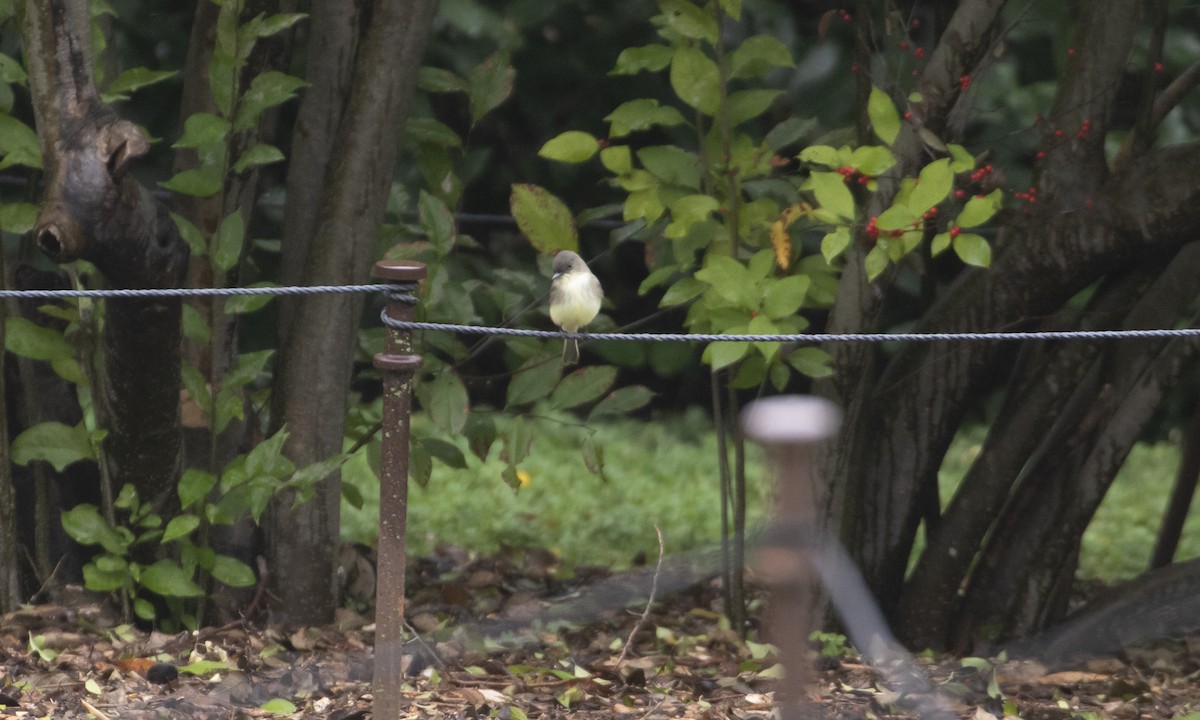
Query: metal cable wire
[802, 337]
[403, 292]
[199, 292]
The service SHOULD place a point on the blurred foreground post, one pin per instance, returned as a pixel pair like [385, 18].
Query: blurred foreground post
[397, 363]
[789, 427]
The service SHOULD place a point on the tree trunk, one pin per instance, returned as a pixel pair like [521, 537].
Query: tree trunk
[903, 411]
[94, 210]
[318, 336]
[10, 576]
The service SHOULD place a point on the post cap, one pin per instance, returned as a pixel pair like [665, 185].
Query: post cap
[399, 270]
[788, 419]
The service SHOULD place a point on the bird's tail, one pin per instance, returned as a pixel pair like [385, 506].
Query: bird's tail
[570, 351]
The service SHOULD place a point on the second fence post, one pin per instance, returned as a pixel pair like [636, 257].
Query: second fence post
[789, 427]
[398, 364]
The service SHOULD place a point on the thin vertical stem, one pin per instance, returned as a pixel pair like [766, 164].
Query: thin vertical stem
[738, 585]
[723, 472]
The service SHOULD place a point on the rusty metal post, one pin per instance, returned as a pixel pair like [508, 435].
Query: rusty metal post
[398, 364]
[789, 427]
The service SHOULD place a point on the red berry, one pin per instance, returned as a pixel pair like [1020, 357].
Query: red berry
[1071, 52]
[919, 53]
[1158, 67]
[964, 83]
[916, 23]
[908, 116]
[1041, 154]
[954, 231]
[854, 68]
[903, 44]
[960, 193]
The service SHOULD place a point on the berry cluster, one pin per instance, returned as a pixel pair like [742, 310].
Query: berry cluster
[851, 176]
[1030, 196]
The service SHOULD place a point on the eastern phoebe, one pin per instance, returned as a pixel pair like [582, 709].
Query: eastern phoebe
[575, 296]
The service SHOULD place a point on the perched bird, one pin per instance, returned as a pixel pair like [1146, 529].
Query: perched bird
[575, 296]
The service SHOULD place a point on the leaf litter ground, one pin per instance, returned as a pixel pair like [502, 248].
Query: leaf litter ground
[503, 637]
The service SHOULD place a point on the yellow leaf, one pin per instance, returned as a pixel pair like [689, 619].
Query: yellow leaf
[779, 232]
[524, 478]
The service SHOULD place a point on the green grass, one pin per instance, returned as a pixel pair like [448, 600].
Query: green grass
[665, 473]
[662, 472]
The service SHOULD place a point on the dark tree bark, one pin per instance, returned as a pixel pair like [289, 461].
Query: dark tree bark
[10, 576]
[94, 210]
[363, 76]
[902, 411]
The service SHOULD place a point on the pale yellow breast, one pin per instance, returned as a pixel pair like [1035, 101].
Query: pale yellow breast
[577, 302]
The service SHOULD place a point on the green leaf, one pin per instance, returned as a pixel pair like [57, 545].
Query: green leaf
[11, 70]
[572, 146]
[834, 243]
[438, 80]
[17, 218]
[102, 577]
[633, 60]
[194, 238]
[934, 184]
[134, 79]
[179, 526]
[832, 194]
[973, 249]
[876, 261]
[204, 131]
[534, 380]
[278, 706]
[961, 160]
[490, 84]
[196, 385]
[940, 243]
[543, 218]
[86, 527]
[812, 361]
[480, 431]
[261, 27]
[194, 487]
[232, 572]
[672, 165]
[229, 239]
[53, 442]
[641, 114]
[758, 54]
[689, 20]
[246, 368]
[897, 217]
[242, 304]
[257, 156]
[783, 297]
[872, 160]
[789, 132]
[583, 386]
[746, 105]
[732, 8]
[445, 451]
[884, 118]
[199, 182]
[682, 291]
[695, 79]
[437, 222]
[28, 339]
[729, 278]
[979, 209]
[445, 399]
[821, 155]
[517, 442]
[622, 401]
[266, 90]
[18, 144]
[194, 326]
[617, 159]
[687, 211]
[724, 354]
[206, 667]
[428, 130]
